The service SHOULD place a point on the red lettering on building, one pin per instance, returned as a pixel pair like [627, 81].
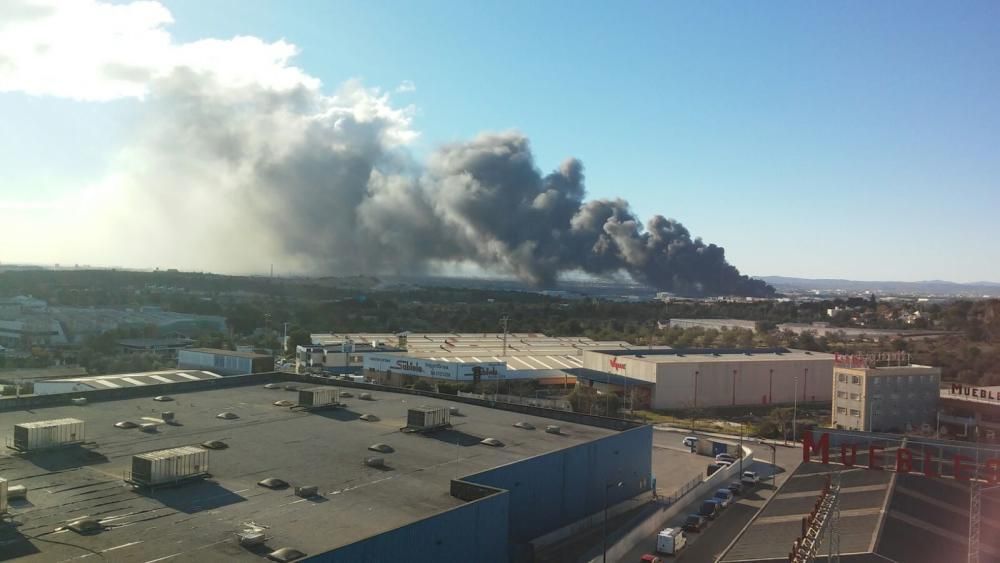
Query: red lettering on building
[872, 450]
[843, 455]
[993, 471]
[958, 470]
[904, 460]
[808, 444]
[615, 364]
[929, 467]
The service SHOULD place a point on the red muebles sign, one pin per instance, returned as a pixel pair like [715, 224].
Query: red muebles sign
[902, 460]
[615, 364]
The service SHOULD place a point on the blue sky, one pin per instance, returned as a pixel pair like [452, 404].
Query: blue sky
[850, 139]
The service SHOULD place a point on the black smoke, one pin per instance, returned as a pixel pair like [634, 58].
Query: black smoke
[324, 185]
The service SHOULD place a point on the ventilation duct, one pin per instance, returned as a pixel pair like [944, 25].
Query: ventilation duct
[366, 397]
[381, 448]
[285, 554]
[369, 418]
[553, 429]
[524, 425]
[491, 442]
[375, 462]
[86, 526]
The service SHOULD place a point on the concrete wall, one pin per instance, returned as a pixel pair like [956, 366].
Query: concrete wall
[476, 531]
[757, 382]
[555, 489]
[625, 539]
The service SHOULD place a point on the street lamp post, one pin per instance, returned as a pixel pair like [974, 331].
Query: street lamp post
[773, 456]
[795, 407]
[604, 535]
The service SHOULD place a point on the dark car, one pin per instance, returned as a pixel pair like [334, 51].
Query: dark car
[710, 509]
[736, 488]
[694, 523]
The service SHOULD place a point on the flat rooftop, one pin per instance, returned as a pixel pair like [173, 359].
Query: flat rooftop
[685, 355]
[196, 522]
[232, 353]
[770, 534]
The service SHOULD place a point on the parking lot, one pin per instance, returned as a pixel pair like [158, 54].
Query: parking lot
[717, 534]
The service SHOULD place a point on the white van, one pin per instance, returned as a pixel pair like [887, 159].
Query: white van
[670, 541]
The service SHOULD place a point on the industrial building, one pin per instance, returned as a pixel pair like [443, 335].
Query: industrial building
[877, 396]
[224, 362]
[710, 377]
[527, 355]
[490, 486]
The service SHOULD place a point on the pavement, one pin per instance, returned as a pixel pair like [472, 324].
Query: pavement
[713, 540]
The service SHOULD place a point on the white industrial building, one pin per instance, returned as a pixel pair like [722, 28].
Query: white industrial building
[693, 378]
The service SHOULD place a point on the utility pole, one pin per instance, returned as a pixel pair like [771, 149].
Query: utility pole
[795, 407]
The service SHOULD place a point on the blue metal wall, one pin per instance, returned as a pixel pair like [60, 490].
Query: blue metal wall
[476, 531]
[553, 490]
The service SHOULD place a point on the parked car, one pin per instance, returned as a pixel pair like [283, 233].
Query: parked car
[724, 496]
[690, 441]
[710, 509]
[723, 462]
[694, 523]
[670, 541]
[736, 487]
[725, 457]
[750, 478]
[650, 558]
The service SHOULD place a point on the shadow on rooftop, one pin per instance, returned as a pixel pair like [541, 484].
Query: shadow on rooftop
[15, 544]
[61, 459]
[341, 414]
[195, 496]
[452, 436]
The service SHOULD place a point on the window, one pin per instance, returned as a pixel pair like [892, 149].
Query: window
[855, 412]
[876, 381]
[855, 397]
[876, 397]
[841, 377]
[842, 394]
[855, 379]
[841, 410]
[911, 378]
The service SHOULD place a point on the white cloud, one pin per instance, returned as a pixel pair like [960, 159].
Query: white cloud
[406, 86]
[96, 51]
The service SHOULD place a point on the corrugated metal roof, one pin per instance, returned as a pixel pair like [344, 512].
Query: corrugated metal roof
[172, 452]
[53, 422]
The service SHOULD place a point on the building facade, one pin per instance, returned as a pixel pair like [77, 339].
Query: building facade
[885, 398]
[224, 362]
[709, 377]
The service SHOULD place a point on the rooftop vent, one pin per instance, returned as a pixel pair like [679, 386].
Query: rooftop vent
[291, 387]
[366, 397]
[273, 483]
[285, 554]
[454, 411]
[125, 424]
[283, 403]
[524, 425]
[163, 398]
[272, 386]
[491, 442]
[346, 394]
[553, 429]
[306, 491]
[86, 526]
[148, 427]
[381, 448]
[369, 418]
[215, 445]
[375, 462]
[227, 415]
[168, 417]
[15, 492]
[79, 401]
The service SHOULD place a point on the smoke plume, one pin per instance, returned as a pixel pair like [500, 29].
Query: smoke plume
[242, 158]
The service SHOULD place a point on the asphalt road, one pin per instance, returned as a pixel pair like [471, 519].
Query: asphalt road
[714, 538]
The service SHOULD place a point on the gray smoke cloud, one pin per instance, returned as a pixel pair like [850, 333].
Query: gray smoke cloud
[240, 160]
[327, 182]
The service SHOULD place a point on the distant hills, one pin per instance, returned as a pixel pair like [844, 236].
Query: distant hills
[928, 287]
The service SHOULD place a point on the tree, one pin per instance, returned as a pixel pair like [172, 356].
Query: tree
[297, 337]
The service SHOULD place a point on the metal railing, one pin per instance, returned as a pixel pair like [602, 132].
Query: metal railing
[679, 493]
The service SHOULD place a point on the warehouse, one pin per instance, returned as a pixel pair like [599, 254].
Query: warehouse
[438, 496]
[708, 377]
[224, 362]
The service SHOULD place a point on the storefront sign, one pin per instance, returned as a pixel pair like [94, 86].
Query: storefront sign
[929, 458]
